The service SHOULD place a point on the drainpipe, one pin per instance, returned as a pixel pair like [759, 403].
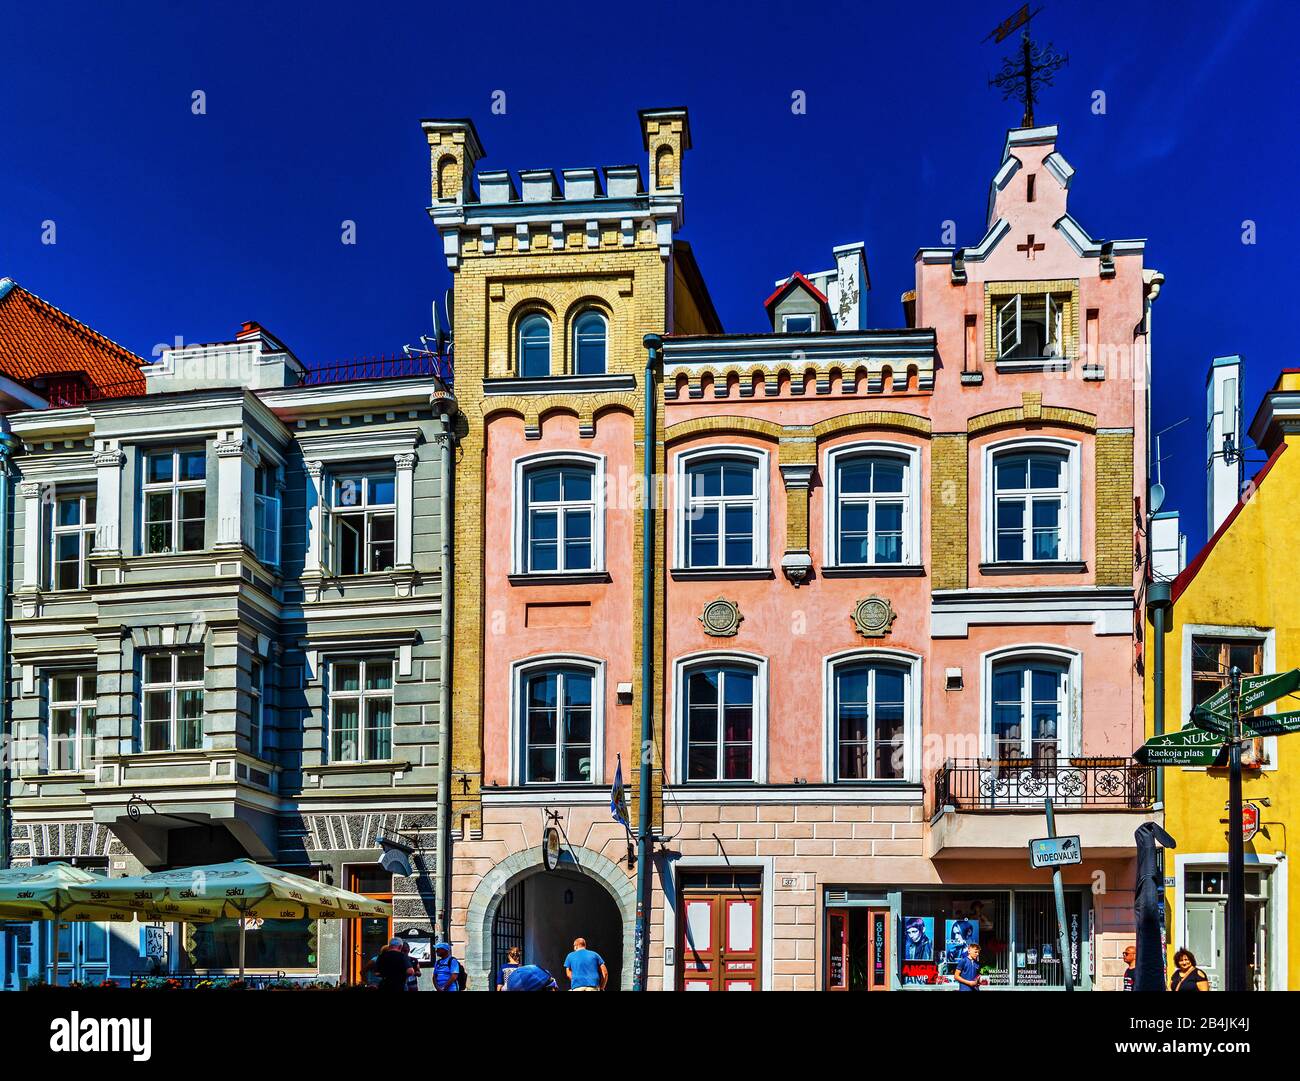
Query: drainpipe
[1158, 605]
[446, 404]
[8, 444]
[644, 877]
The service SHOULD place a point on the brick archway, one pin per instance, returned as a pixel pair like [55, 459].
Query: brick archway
[481, 912]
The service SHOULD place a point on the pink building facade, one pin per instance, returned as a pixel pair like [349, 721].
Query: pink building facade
[900, 613]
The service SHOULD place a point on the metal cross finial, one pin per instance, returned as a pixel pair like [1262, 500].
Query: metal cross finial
[1024, 75]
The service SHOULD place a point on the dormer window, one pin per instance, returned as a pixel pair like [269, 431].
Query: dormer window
[803, 323]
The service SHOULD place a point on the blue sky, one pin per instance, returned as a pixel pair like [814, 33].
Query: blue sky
[170, 224]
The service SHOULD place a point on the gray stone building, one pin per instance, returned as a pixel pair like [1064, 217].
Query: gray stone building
[226, 641]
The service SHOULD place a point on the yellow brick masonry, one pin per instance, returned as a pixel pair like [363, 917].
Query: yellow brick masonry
[948, 501]
[1114, 508]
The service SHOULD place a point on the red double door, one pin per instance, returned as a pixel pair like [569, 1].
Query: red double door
[720, 939]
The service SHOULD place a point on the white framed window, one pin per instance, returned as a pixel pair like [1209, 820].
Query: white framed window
[533, 346]
[722, 509]
[256, 706]
[1246, 647]
[800, 323]
[175, 500]
[590, 343]
[72, 538]
[873, 505]
[559, 720]
[363, 508]
[873, 716]
[360, 708]
[720, 717]
[1030, 326]
[172, 694]
[266, 517]
[71, 722]
[1032, 501]
[1030, 704]
[559, 514]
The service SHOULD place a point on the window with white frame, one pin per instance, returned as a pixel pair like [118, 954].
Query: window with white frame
[871, 706]
[719, 726]
[873, 503]
[1029, 709]
[723, 511]
[175, 500]
[560, 518]
[361, 709]
[256, 705]
[364, 512]
[1033, 504]
[266, 517]
[172, 693]
[557, 724]
[534, 346]
[72, 538]
[71, 727]
[590, 344]
[801, 323]
[1030, 326]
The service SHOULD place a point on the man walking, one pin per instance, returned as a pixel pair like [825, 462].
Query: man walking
[447, 973]
[585, 968]
[968, 971]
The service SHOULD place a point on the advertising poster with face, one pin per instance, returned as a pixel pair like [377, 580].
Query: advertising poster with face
[958, 934]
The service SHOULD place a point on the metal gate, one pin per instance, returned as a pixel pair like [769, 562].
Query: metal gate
[507, 928]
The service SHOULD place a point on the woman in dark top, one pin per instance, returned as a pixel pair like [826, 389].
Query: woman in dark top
[1187, 977]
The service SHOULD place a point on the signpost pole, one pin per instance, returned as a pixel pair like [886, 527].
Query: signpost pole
[1236, 850]
[1059, 889]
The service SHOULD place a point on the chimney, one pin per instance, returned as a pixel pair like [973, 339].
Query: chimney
[1223, 438]
[666, 136]
[848, 296]
[1168, 546]
[454, 150]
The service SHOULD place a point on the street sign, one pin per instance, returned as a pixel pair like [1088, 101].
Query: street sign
[1256, 691]
[1187, 747]
[1272, 724]
[1055, 851]
[551, 848]
[1211, 722]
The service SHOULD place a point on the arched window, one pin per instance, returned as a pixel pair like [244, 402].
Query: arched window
[719, 722]
[722, 510]
[556, 724]
[534, 346]
[589, 344]
[1029, 709]
[448, 178]
[665, 168]
[559, 518]
[871, 711]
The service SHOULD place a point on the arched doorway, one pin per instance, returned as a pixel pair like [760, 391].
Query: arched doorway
[544, 912]
[518, 902]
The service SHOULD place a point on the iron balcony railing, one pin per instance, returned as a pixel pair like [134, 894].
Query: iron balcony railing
[974, 784]
[395, 367]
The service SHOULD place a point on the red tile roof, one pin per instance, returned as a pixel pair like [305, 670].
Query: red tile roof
[38, 340]
[797, 280]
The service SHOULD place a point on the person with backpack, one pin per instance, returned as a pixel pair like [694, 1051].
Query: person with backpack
[448, 973]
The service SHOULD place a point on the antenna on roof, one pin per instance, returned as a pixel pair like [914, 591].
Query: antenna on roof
[1023, 76]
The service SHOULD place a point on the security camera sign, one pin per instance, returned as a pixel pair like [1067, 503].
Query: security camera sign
[1055, 851]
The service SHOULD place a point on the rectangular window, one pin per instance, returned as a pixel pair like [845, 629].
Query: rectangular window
[1030, 492]
[557, 736]
[873, 493]
[721, 513]
[559, 517]
[266, 518]
[257, 676]
[172, 690]
[1212, 662]
[871, 720]
[1031, 326]
[363, 507]
[720, 724]
[72, 538]
[175, 500]
[361, 710]
[72, 700]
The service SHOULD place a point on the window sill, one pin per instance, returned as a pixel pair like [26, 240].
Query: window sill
[1059, 566]
[1035, 364]
[720, 574]
[563, 383]
[561, 578]
[882, 570]
[385, 764]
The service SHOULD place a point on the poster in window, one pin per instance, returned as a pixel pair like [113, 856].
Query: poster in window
[958, 934]
[979, 911]
[918, 938]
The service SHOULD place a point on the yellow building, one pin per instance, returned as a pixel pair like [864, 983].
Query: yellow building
[1236, 604]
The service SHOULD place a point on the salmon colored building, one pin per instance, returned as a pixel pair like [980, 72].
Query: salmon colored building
[892, 588]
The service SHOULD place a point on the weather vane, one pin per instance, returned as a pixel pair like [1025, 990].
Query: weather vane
[1024, 75]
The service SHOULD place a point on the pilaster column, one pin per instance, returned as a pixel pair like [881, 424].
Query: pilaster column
[797, 561]
[33, 532]
[314, 562]
[237, 458]
[109, 461]
[405, 508]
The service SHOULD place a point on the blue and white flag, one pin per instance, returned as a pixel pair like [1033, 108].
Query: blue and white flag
[618, 798]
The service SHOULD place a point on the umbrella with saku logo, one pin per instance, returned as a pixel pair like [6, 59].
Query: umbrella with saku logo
[59, 892]
[241, 890]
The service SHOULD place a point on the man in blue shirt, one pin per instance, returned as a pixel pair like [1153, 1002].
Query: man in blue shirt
[446, 969]
[968, 971]
[585, 968]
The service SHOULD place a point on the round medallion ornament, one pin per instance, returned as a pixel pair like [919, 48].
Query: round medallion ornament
[551, 848]
[874, 617]
[721, 618]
